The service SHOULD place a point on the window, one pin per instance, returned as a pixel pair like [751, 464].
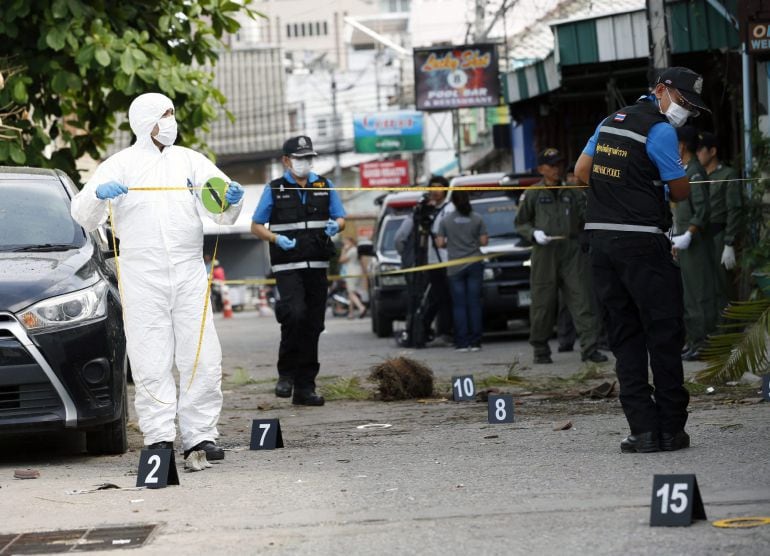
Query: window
[288, 30]
[318, 28]
[323, 127]
[326, 28]
[302, 26]
[296, 30]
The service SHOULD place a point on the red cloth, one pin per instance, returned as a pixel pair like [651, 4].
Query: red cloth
[219, 273]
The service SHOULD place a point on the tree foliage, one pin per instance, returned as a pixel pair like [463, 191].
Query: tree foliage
[68, 68]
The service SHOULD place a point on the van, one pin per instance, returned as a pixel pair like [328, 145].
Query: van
[505, 292]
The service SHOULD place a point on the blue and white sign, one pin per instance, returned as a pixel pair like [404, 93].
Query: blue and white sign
[388, 131]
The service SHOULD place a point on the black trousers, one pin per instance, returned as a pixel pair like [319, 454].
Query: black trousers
[300, 311]
[439, 302]
[640, 289]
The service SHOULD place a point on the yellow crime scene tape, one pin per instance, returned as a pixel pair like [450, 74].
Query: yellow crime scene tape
[741, 522]
[271, 281]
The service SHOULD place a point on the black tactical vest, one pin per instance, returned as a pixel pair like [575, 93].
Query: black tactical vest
[626, 192]
[303, 222]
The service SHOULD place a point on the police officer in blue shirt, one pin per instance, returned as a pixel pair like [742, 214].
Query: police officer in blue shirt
[304, 212]
[631, 156]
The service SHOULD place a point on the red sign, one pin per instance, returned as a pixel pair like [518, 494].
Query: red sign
[385, 173]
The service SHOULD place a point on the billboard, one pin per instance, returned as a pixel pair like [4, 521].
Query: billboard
[456, 77]
[388, 132]
[385, 173]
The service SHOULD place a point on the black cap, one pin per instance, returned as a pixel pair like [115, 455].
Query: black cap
[299, 146]
[549, 156]
[687, 82]
[707, 139]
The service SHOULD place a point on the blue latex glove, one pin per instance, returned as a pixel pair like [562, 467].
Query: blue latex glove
[284, 242]
[234, 193]
[332, 227]
[110, 190]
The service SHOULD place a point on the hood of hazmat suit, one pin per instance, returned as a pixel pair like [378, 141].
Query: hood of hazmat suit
[163, 277]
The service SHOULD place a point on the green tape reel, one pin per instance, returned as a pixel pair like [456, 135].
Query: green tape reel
[213, 195]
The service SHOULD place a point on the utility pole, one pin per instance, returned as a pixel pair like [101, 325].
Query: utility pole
[660, 56]
[335, 131]
[335, 117]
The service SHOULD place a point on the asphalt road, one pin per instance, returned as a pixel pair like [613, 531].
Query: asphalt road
[439, 480]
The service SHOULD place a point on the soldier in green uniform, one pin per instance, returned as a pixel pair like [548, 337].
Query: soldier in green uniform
[552, 220]
[694, 248]
[726, 199]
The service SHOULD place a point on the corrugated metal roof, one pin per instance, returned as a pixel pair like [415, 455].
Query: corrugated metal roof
[537, 41]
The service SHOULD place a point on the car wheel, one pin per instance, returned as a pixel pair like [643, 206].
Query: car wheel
[373, 312]
[111, 438]
[384, 326]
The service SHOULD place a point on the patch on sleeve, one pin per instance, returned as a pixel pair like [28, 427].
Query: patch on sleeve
[619, 117]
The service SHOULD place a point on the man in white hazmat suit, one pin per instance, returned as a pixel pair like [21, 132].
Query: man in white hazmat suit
[162, 274]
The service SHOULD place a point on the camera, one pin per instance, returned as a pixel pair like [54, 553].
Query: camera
[424, 214]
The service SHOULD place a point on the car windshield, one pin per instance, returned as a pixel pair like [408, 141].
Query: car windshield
[498, 215]
[35, 215]
[390, 226]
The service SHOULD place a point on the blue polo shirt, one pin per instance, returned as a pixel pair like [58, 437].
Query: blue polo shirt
[265, 207]
[662, 148]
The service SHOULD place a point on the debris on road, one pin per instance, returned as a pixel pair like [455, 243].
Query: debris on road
[374, 426]
[401, 378]
[604, 390]
[26, 474]
[563, 426]
[483, 395]
[196, 461]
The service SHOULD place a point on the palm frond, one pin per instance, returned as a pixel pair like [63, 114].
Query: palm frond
[730, 354]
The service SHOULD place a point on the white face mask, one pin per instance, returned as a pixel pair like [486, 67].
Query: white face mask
[300, 167]
[676, 115]
[166, 131]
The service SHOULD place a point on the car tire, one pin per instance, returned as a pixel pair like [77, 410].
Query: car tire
[373, 312]
[111, 438]
[383, 326]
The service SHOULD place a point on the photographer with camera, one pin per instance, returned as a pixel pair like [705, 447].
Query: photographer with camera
[428, 292]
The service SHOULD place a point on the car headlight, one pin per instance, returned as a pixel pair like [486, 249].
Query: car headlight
[392, 279]
[385, 267]
[65, 310]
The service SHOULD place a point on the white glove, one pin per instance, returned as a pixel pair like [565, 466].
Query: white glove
[540, 237]
[728, 257]
[683, 241]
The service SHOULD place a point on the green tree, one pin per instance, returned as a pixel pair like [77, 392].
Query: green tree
[69, 67]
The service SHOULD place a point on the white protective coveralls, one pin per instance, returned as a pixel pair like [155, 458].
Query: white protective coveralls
[163, 276]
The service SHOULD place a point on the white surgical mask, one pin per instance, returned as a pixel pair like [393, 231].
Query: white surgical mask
[301, 166]
[676, 115]
[166, 131]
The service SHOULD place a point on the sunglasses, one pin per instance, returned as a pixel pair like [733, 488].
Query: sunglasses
[683, 102]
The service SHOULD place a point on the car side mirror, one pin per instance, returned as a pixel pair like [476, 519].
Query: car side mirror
[105, 241]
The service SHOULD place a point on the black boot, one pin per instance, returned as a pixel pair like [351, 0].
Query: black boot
[161, 446]
[642, 443]
[284, 386]
[672, 441]
[307, 398]
[213, 452]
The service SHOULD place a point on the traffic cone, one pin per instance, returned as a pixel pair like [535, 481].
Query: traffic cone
[263, 307]
[227, 309]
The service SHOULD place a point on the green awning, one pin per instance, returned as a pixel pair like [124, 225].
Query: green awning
[532, 80]
[694, 26]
